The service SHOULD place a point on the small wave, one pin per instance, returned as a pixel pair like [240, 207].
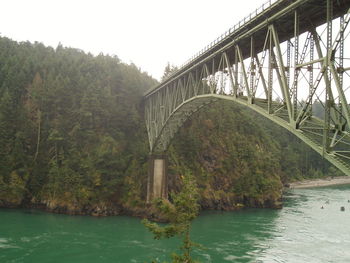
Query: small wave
[230, 258]
[5, 243]
[25, 239]
[136, 242]
[8, 246]
[3, 240]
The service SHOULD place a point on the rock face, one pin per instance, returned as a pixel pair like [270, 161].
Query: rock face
[102, 209]
[147, 211]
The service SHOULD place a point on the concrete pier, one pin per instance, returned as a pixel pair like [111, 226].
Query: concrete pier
[157, 185]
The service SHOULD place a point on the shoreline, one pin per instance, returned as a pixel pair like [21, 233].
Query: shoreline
[328, 181]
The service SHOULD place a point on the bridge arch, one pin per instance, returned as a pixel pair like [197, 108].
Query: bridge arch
[189, 107]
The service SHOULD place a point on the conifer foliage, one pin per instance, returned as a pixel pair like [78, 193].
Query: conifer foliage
[73, 139]
[180, 213]
[69, 126]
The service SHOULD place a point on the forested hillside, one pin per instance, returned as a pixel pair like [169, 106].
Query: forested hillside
[71, 129]
[73, 139]
[239, 157]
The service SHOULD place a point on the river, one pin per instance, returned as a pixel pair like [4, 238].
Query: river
[300, 232]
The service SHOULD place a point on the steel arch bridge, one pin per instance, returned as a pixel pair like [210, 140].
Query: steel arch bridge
[282, 59]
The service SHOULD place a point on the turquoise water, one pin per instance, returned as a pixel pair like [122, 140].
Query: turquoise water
[300, 232]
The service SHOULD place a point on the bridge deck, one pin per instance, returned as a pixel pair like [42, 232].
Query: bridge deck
[280, 14]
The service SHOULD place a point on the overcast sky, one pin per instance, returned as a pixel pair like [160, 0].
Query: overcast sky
[149, 33]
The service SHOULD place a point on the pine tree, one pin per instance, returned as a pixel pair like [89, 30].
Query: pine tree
[180, 214]
[169, 69]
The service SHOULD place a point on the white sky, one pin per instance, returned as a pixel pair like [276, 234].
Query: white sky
[149, 33]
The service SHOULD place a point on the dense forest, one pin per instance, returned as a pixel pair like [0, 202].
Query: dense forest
[73, 139]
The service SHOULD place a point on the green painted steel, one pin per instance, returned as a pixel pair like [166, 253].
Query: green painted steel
[252, 64]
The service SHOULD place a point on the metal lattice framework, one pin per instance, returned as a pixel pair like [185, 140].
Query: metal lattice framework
[282, 61]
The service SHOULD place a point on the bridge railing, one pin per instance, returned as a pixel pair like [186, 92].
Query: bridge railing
[227, 33]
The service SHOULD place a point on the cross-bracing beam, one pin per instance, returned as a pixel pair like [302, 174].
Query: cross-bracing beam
[254, 69]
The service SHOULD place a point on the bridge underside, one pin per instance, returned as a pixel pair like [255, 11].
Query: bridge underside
[283, 60]
[310, 133]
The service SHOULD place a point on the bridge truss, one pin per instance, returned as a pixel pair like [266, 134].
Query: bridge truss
[282, 61]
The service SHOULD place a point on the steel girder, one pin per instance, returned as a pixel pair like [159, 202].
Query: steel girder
[259, 77]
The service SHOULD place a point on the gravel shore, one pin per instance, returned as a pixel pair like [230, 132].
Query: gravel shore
[321, 182]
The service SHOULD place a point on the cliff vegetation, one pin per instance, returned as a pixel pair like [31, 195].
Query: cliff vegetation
[73, 139]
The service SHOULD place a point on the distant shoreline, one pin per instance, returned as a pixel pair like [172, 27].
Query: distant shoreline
[320, 182]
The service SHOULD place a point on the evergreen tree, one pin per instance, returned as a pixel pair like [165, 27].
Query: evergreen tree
[169, 69]
[180, 214]
[72, 133]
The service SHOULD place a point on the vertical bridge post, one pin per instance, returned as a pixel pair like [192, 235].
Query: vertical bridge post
[157, 185]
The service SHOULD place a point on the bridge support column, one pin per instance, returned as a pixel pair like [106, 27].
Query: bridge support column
[157, 185]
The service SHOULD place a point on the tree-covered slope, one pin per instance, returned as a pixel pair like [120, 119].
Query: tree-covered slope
[241, 158]
[234, 159]
[73, 139]
[71, 130]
